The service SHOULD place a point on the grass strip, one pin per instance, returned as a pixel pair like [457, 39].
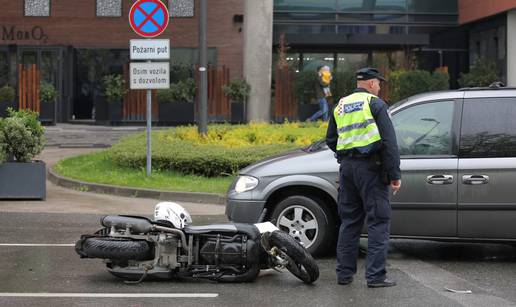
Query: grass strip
[97, 168]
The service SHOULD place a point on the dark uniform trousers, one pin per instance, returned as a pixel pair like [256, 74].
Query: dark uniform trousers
[362, 195]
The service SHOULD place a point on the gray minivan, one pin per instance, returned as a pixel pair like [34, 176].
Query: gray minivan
[458, 162]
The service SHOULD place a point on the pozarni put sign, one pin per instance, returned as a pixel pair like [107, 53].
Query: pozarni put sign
[149, 76]
[149, 49]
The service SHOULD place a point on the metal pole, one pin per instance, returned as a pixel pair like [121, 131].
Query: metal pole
[149, 127]
[203, 61]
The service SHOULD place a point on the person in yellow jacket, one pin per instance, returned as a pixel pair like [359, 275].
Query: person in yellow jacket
[322, 92]
[361, 134]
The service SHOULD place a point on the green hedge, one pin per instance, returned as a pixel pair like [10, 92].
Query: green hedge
[225, 150]
[405, 83]
[483, 72]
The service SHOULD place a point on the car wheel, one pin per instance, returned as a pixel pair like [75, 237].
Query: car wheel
[307, 220]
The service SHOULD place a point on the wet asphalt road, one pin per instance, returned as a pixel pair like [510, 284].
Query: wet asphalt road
[422, 270]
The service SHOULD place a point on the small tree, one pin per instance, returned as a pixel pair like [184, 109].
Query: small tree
[47, 92]
[7, 93]
[304, 86]
[343, 84]
[482, 73]
[21, 135]
[114, 87]
[181, 91]
[237, 90]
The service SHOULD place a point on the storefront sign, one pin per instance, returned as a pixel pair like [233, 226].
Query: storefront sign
[11, 33]
[148, 76]
[149, 49]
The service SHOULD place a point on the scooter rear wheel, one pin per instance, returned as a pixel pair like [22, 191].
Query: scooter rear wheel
[300, 261]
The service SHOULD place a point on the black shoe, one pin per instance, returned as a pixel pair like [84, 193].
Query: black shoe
[345, 282]
[382, 284]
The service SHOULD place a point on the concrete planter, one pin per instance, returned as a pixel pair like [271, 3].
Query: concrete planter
[7, 104]
[115, 111]
[237, 112]
[47, 112]
[23, 180]
[176, 113]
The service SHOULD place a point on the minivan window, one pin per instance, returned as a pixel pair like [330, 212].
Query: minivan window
[425, 129]
[488, 128]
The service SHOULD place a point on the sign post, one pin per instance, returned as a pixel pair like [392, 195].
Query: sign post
[149, 18]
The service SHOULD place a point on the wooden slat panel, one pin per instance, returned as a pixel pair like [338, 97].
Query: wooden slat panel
[28, 79]
[34, 93]
[38, 80]
[155, 105]
[33, 87]
[20, 86]
[227, 103]
[285, 104]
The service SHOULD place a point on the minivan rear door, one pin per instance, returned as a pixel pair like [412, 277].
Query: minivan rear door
[427, 135]
[487, 166]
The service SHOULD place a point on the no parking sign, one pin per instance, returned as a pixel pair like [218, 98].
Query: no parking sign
[148, 18]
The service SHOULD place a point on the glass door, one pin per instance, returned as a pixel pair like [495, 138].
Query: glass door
[40, 69]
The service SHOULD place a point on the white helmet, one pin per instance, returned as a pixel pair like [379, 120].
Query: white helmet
[173, 213]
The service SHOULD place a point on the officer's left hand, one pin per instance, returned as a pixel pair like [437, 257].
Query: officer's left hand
[395, 186]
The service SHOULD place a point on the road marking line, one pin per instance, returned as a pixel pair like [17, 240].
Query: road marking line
[28, 244]
[114, 295]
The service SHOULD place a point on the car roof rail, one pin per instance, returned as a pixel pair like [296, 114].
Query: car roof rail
[497, 85]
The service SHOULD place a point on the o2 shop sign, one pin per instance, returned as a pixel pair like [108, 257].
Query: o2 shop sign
[13, 34]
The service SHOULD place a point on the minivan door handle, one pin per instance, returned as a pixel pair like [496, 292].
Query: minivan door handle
[475, 179]
[439, 179]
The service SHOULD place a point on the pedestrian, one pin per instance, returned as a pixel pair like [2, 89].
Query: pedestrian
[322, 91]
[362, 136]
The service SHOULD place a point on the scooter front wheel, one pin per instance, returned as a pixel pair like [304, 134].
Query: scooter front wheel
[299, 261]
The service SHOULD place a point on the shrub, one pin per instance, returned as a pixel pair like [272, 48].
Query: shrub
[204, 160]
[237, 90]
[224, 150]
[114, 87]
[405, 83]
[304, 86]
[181, 91]
[22, 135]
[179, 72]
[7, 93]
[342, 84]
[482, 73]
[47, 92]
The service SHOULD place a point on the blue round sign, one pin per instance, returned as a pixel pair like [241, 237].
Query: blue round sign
[148, 18]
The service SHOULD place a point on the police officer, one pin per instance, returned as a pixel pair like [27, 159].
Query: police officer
[361, 134]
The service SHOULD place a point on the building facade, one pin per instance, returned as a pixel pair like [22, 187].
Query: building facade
[491, 30]
[73, 43]
[348, 34]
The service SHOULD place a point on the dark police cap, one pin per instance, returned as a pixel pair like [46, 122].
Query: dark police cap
[369, 73]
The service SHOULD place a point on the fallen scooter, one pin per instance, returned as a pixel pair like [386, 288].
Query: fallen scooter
[135, 248]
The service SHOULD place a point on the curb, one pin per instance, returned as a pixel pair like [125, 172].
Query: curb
[193, 197]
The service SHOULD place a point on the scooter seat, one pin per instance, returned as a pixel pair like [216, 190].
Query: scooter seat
[227, 228]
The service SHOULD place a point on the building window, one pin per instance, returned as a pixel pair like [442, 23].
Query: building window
[109, 8]
[4, 68]
[37, 8]
[181, 8]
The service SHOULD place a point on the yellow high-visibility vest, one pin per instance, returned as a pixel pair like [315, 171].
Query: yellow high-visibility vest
[356, 126]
